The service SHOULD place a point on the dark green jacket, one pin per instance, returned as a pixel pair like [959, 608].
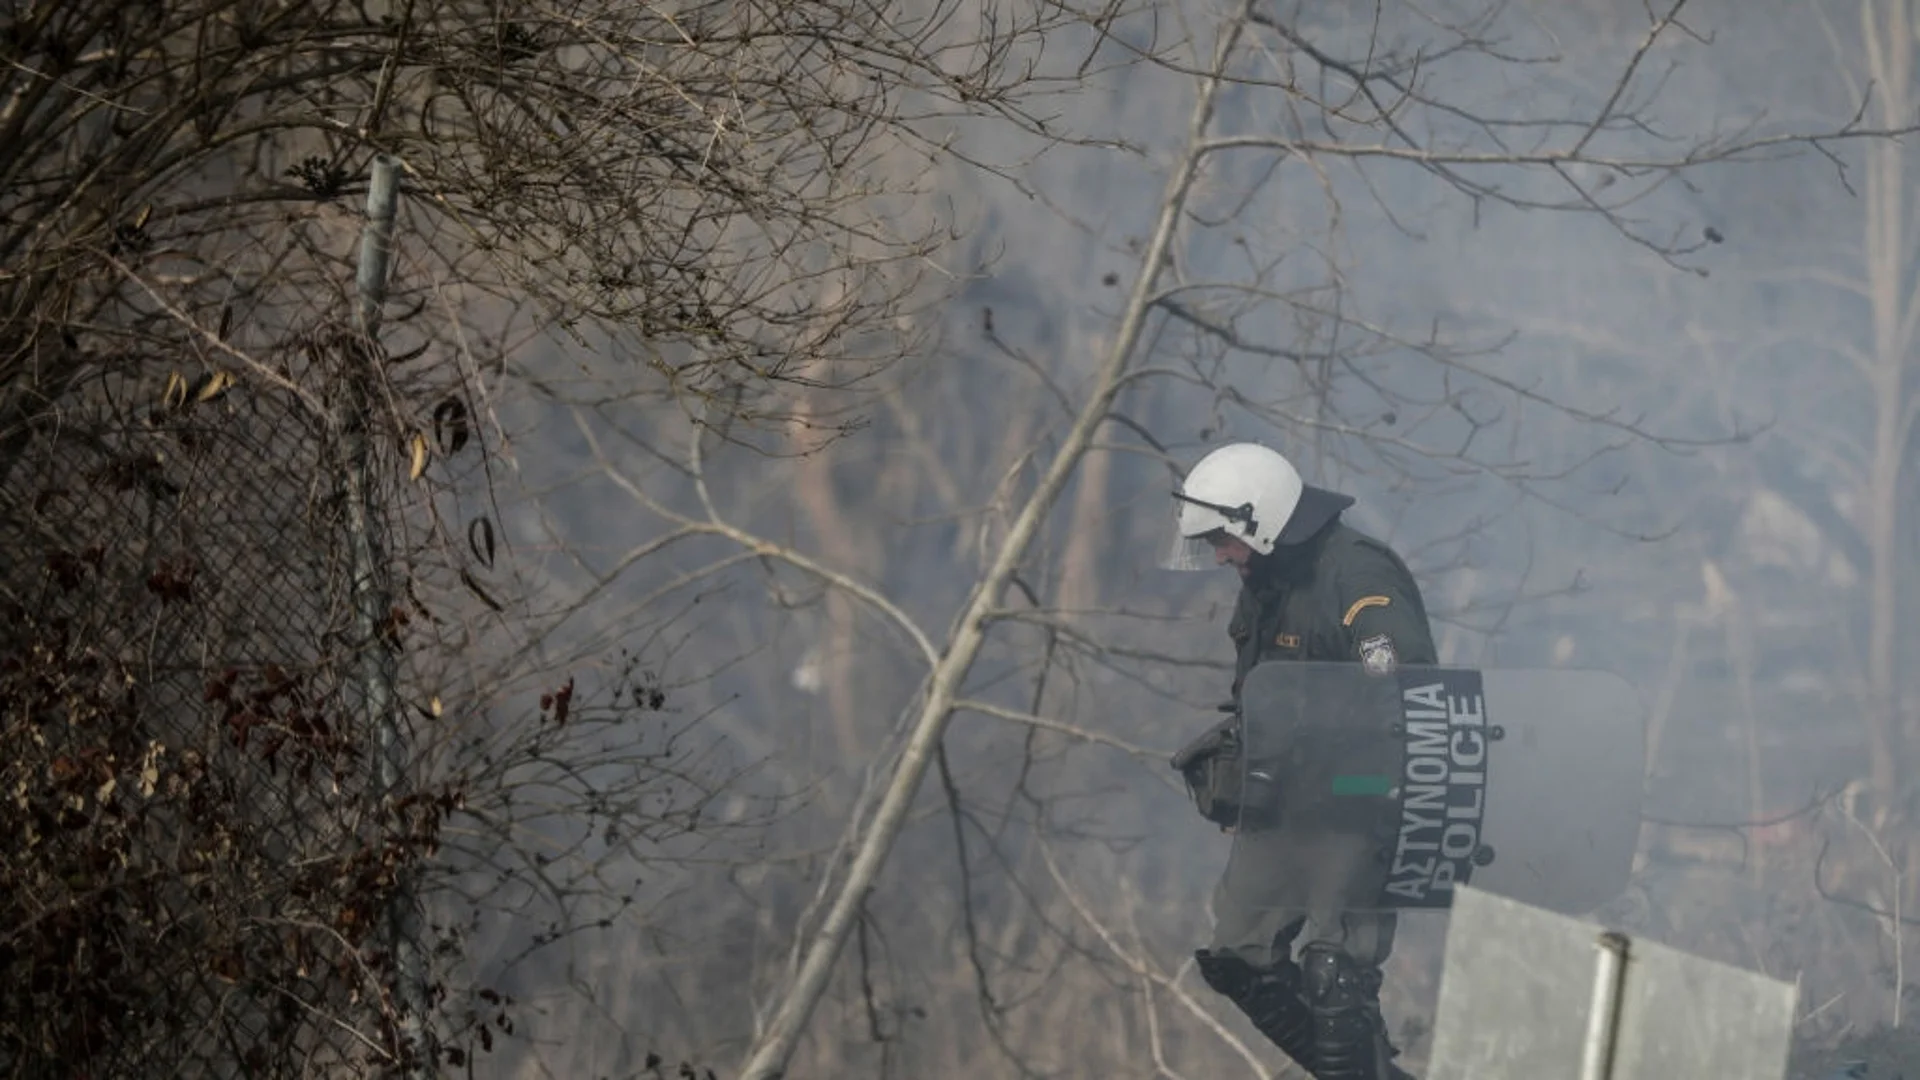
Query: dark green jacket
[1340, 596]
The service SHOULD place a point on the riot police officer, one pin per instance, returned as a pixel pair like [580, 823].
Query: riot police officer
[1312, 589]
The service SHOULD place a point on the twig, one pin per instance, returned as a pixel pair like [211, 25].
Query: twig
[1139, 967]
[1017, 716]
[1892, 924]
[210, 338]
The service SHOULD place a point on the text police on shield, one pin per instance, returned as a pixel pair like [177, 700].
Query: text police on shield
[1442, 787]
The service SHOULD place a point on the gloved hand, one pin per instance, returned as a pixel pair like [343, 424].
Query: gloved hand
[1223, 788]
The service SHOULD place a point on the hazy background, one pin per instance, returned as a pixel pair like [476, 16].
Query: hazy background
[1672, 477]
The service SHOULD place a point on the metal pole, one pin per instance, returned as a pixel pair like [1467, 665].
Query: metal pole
[372, 599]
[376, 243]
[371, 596]
[1603, 1017]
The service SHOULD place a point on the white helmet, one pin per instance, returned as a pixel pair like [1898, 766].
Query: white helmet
[1250, 492]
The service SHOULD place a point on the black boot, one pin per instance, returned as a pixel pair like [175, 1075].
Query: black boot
[1349, 1036]
[1271, 998]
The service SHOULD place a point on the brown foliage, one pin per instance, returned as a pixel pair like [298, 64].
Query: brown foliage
[201, 844]
[700, 188]
[196, 862]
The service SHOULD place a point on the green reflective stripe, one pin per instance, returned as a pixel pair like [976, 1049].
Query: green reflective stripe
[1363, 785]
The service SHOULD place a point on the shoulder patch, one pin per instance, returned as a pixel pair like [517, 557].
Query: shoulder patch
[1361, 605]
[1377, 655]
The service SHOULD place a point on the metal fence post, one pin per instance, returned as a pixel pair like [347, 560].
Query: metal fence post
[372, 596]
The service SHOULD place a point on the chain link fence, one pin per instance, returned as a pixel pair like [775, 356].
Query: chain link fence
[204, 858]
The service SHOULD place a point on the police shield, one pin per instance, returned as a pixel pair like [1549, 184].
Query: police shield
[1389, 791]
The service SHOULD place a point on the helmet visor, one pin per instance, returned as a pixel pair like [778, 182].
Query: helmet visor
[1194, 522]
[1182, 552]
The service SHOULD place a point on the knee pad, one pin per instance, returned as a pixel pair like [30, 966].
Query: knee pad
[1270, 997]
[1332, 979]
[1350, 1037]
[1233, 977]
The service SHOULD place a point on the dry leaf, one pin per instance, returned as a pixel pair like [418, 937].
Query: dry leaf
[150, 769]
[214, 385]
[176, 392]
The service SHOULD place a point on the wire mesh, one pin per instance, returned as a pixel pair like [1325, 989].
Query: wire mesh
[200, 865]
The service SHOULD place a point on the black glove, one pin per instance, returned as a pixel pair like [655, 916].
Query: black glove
[1223, 788]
